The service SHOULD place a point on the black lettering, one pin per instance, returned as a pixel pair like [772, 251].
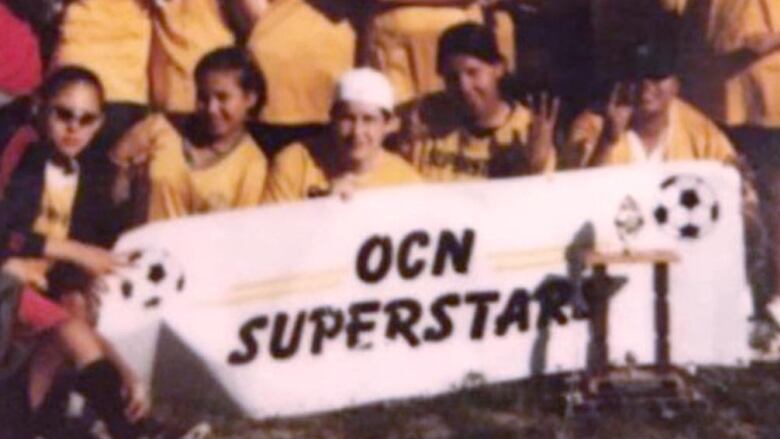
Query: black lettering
[374, 275]
[278, 348]
[322, 330]
[237, 357]
[402, 325]
[552, 296]
[407, 270]
[481, 300]
[356, 325]
[459, 251]
[516, 311]
[439, 311]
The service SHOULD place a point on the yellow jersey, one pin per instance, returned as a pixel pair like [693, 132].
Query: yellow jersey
[55, 211]
[713, 29]
[442, 148]
[690, 136]
[404, 42]
[301, 51]
[296, 174]
[59, 194]
[184, 31]
[112, 39]
[236, 180]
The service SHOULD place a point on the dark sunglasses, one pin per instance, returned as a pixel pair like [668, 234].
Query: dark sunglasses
[66, 115]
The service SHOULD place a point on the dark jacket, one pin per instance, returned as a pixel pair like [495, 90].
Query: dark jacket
[94, 219]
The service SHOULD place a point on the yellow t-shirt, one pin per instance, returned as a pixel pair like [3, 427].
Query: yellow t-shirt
[55, 211]
[59, 194]
[713, 29]
[443, 149]
[236, 180]
[296, 174]
[184, 31]
[404, 42]
[112, 39]
[302, 52]
[691, 136]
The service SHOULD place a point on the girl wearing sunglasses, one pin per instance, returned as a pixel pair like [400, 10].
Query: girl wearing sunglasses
[56, 219]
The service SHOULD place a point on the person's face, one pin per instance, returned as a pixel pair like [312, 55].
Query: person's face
[474, 82]
[223, 103]
[74, 115]
[654, 95]
[360, 128]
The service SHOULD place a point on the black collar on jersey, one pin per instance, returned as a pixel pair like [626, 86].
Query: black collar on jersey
[68, 165]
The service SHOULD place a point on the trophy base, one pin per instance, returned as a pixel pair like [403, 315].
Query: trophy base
[666, 392]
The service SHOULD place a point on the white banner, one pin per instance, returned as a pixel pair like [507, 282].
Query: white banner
[404, 292]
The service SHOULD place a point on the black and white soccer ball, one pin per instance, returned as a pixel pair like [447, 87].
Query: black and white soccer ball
[687, 207]
[151, 277]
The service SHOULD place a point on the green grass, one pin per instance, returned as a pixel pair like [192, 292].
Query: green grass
[741, 403]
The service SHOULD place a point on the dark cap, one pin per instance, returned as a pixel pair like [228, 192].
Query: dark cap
[652, 60]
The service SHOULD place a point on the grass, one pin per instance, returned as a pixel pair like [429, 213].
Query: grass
[741, 403]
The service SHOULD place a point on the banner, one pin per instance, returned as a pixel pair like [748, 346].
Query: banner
[409, 291]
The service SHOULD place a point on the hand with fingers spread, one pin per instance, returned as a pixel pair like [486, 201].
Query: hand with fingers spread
[617, 117]
[541, 139]
[618, 110]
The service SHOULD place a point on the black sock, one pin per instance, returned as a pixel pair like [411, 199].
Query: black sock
[100, 383]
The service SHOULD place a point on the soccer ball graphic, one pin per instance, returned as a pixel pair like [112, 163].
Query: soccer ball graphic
[687, 208]
[151, 276]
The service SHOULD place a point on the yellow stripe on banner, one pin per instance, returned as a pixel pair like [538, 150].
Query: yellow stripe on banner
[279, 286]
[516, 260]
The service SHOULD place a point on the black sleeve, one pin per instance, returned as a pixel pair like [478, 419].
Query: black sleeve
[19, 207]
[96, 218]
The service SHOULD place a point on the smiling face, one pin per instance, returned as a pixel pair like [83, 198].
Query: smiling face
[360, 128]
[654, 95]
[73, 117]
[474, 82]
[224, 104]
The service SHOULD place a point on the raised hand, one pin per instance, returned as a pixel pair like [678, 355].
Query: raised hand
[618, 110]
[541, 139]
[762, 44]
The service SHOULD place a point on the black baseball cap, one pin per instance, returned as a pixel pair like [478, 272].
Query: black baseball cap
[652, 60]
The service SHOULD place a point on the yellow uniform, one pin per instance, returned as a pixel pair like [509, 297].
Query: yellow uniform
[750, 95]
[54, 214]
[112, 39]
[690, 136]
[296, 174]
[59, 194]
[302, 52]
[404, 42]
[184, 31]
[236, 180]
[443, 149]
